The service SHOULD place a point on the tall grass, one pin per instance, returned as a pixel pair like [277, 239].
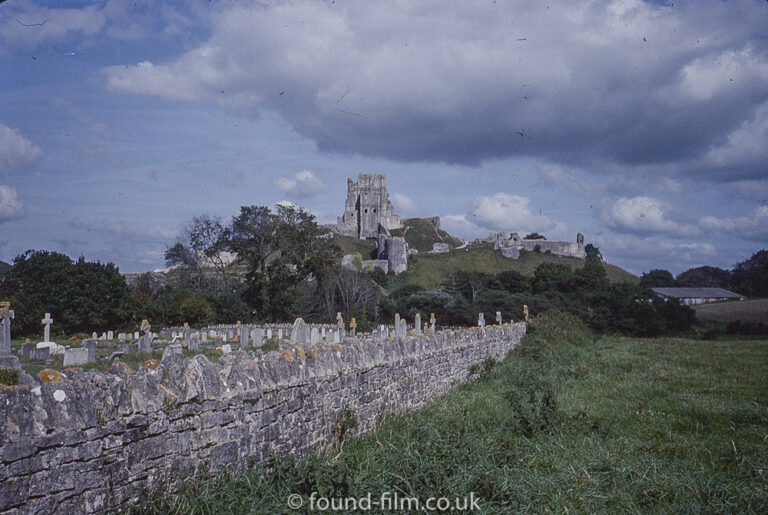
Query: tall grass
[566, 423]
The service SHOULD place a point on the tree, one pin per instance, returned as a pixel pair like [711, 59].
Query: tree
[704, 277]
[750, 277]
[657, 278]
[534, 236]
[280, 250]
[81, 296]
[552, 276]
[593, 253]
[200, 251]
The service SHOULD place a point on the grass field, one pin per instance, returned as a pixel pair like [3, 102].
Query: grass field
[428, 271]
[568, 423]
[755, 310]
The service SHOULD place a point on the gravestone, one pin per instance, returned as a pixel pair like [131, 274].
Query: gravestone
[186, 331]
[145, 342]
[110, 335]
[28, 350]
[245, 336]
[42, 353]
[432, 322]
[322, 333]
[91, 346]
[204, 337]
[352, 327]
[525, 313]
[397, 325]
[340, 327]
[7, 360]
[257, 336]
[417, 323]
[226, 349]
[498, 317]
[75, 357]
[194, 341]
[95, 335]
[280, 333]
[314, 336]
[481, 320]
[135, 335]
[269, 333]
[47, 321]
[121, 337]
[300, 331]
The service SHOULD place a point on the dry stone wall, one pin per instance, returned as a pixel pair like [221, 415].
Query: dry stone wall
[90, 441]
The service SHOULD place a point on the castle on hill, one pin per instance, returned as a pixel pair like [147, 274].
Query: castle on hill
[367, 210]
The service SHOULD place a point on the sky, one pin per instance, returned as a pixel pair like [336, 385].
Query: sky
[642, 125]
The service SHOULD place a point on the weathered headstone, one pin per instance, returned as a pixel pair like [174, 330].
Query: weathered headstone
[481, 320]
[269, 333]
[245, 336]
[76, 357]
[172, 349]
[352, 327]
[314, 336]
[121, 337]
[135, 335]
[103, 336]
[91, 346]
[498, 317]
[42, 353]
[280, 333]
[28, 350]
[204, 337]
[186, 331]
[322, 333]
[397, 325]
[417, 323]
[95, 335]
[432, 322]
[7, 360]
[194, 341]
[110, 335]
[341, 328]
[300, 331]
[525, 313]
[226, 349]
[257, 336]
[145, 342]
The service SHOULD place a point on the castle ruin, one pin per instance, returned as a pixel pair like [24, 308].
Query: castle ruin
[511, 247]
[367, 209]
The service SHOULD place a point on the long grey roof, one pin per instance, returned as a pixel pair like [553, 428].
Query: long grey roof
[697, 293]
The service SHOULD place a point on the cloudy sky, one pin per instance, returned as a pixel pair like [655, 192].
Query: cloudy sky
[643, 125]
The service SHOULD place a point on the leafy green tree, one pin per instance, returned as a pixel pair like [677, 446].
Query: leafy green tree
[657, 278]
[81, 296]
[704, 277]
[512, 281]
[534, 236]
[552, 276]
[750, 277]
[280, 250]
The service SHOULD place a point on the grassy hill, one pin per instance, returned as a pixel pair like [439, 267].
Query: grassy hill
[421, 233]
[4, 267]
[427, 270]
[755, 310]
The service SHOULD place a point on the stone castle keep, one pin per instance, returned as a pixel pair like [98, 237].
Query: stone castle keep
[369, 214]
[367, 210]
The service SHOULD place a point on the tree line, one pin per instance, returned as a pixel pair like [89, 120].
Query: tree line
[748, 277]
[277, 264]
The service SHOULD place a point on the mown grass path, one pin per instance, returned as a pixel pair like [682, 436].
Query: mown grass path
[568, 423]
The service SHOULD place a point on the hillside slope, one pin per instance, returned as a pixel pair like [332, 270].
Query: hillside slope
[428, 270]
[4, 267]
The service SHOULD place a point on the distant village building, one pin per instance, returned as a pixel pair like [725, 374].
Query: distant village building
[689, 296]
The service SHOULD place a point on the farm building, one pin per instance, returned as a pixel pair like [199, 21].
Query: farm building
[690, 296]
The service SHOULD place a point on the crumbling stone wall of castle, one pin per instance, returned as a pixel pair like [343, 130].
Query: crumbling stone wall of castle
[90, 441]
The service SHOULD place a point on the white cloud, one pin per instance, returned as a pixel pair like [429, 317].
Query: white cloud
[458, 225]
[404, 205]
[645, 215]
[753, 227]
[303, 185]
[16, 151]
[10, 207]
[505, 212]
[471, 85]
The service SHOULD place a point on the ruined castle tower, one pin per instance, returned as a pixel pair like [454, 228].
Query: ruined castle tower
[367, 208]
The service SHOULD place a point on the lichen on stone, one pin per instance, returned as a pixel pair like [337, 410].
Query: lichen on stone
[151, 364]
[47, 375]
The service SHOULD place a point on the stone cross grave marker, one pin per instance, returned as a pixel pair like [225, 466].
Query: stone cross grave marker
[6, 315]
[498, 317]
[47, 321]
